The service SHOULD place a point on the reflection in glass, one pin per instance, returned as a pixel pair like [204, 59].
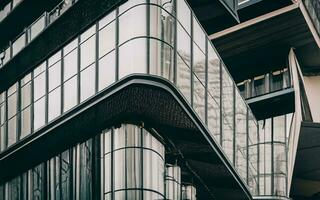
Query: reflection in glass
[86, 170]
[184, 15]
[128, 163]
[184, 78]
[227, 111]
[161, 59]
[241, 136]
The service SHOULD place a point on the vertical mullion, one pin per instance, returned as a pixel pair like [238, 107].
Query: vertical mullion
[18, 114]
[117, 45]
[6, 125]
[175, 71]
[141, 160]
[111, 164]
[221, 106]
[97, 58]
[234, 124]
[32, 103]
[272, 156]
[96, 164]
[191, 59]
[248, 156]
[206, 82]
[148, 35]
[61, 82]
[78, 71]
[46, 92]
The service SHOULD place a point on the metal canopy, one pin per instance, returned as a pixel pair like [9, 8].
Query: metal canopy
[215, 15]
[135, 99]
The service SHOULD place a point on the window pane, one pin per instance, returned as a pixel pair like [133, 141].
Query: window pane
[25, 122]
[107, 39]
[54, 104]
[107, 70]
[39, 113]
[199, 35]
[132, 24]
[70, 64]
[2, 138]
[199, 98]
[86, 170]
[87, 82]
[88, 33]
[133, 167]
[70, 47]
[162, 23]
[184, 78]
[70, 94]
[161, 59]
[26, 95]
[133, 57]
[12, 105]
[88, 52]
[54, 76]
[119, 169]
[39, 86]
[12, 131]
[184, 15]
[279, 125]
[183, 44]
[107, 19]
[227, 110]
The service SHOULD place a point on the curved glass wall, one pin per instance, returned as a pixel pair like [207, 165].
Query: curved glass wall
[273, 155]
[132, 164]
[161, 38]
[173, 182]
[189, 192]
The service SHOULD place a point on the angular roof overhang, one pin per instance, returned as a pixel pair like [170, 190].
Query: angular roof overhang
[262, 44]
[215, 15]
[306, 174]
[135, 99]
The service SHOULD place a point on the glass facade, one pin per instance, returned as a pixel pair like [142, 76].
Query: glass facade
[161, 38]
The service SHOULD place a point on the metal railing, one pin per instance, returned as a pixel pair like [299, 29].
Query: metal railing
[32, 31]
[8, 8]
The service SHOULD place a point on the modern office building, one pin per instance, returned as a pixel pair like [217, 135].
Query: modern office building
[117, 100]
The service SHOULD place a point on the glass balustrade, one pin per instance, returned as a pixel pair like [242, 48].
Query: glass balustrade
[33, 31]
[8, 8]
